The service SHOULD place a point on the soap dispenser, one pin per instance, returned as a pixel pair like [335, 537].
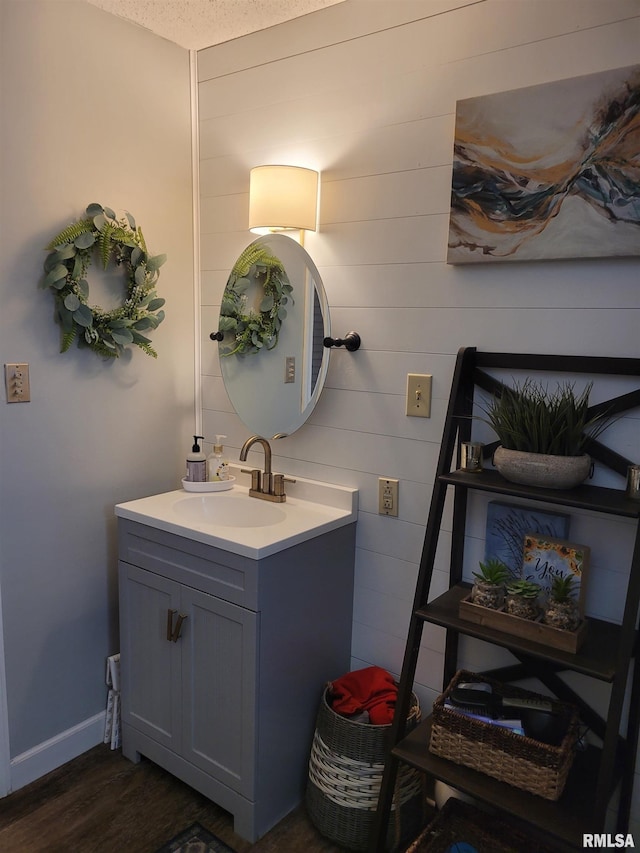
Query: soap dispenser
[217, 465]
[196, 463]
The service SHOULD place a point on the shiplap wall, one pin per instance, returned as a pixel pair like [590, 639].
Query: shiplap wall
[365, 92]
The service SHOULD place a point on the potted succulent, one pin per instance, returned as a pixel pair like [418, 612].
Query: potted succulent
[562, 610]
[543, 433]
[522, 599]
[490, 583]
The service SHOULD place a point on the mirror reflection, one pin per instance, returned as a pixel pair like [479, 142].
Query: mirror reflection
[274, 317]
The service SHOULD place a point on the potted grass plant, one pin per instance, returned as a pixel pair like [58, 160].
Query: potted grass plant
[542, 434]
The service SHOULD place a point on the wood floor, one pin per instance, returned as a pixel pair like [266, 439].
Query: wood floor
[103, 803]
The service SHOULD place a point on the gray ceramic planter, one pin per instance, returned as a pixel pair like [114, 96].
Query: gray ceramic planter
[538, 469]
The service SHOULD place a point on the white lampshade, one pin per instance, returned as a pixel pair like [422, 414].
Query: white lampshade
[282, 198]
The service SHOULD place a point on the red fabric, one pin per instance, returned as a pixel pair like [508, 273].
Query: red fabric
[371, 689]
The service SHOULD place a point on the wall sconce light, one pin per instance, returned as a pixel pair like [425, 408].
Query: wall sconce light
[283, 198]
[351, 341]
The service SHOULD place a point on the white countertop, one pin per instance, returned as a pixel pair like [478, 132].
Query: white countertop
[235, 522]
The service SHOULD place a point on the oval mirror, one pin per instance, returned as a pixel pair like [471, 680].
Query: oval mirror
[274, 316]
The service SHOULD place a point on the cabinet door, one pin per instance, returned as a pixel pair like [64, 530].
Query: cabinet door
[150, 662]
[219, 682]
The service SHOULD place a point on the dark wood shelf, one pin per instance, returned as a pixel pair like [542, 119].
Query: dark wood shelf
[565, 820]
[597, 657]
[596, 498]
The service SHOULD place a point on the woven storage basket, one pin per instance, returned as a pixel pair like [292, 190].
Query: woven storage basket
[461, 826]
[345, 772]
[531, 765]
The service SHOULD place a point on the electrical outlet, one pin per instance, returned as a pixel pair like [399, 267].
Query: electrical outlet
[388, 496]
[419, 395]
[16, 380]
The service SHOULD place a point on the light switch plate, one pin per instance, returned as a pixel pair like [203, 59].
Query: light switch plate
[289, 369]
[16, 380]
[419, 395]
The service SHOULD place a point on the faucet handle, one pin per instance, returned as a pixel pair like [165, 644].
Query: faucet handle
[278, 484]
[255, 477]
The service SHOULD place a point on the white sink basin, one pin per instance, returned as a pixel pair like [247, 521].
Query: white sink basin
[235, 510]
[236, 522]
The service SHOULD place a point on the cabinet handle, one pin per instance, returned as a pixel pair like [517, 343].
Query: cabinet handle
[170, 614]
[177, 632]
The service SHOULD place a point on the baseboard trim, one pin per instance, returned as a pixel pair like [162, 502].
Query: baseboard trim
[56, 751]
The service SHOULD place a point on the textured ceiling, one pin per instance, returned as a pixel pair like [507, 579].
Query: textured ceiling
[196, 24]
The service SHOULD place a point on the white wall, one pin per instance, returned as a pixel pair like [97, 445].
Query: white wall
[93, 109]
[366, 93]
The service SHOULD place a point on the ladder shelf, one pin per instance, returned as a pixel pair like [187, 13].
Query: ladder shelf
[606, 655]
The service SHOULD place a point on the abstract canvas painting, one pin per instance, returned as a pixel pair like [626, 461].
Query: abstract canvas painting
[549, 171]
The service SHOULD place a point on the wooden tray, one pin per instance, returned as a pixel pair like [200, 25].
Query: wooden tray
[528, 629]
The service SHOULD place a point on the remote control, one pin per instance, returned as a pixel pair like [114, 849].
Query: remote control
[492, 705]
[534, 703]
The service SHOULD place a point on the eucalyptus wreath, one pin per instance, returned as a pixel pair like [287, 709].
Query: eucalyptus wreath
[252, 330]
[107, 333]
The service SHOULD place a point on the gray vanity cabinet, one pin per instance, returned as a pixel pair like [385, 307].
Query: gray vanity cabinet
[205, 695]
[224, 660]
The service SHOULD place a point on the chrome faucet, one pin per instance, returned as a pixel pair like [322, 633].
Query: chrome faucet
[265, 485]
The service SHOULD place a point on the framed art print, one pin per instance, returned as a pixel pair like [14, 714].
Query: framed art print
[545, 558]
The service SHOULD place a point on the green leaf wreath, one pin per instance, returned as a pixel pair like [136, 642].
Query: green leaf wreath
[107, 333]
[251, 330]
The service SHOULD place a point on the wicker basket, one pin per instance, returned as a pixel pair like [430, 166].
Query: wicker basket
[345, 772]
[539, 768]
[461, 826]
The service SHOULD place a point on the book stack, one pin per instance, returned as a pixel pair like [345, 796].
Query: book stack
[514, 725]
[112, 720]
